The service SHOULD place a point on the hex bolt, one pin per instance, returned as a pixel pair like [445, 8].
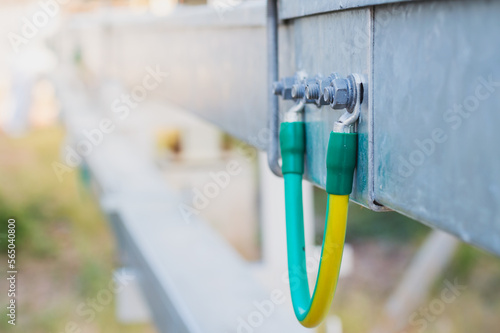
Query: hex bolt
[278, 88]
[328, 93]
[339, 94]
[313, 91]
[287, 83]
[298, 91]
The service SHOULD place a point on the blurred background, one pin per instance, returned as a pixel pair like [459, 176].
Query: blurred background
[68, 249]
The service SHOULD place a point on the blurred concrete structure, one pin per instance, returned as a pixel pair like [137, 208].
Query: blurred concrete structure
[188, 273]
[131, 307]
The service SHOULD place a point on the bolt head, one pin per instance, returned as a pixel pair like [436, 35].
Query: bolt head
[339, 96]
[277, 88]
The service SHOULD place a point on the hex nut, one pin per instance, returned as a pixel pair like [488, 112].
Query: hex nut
[287, 83]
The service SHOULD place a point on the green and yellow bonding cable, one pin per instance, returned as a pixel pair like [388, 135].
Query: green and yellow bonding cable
[340, 162]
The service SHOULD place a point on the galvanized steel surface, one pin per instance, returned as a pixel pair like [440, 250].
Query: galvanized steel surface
[436, 100]
[289, 9]
[321, 44]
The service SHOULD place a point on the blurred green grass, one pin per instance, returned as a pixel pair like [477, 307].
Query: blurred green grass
[65, 250]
